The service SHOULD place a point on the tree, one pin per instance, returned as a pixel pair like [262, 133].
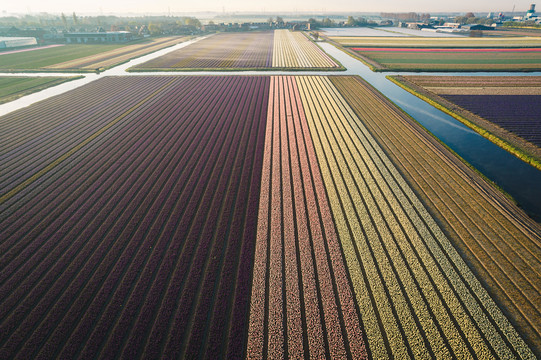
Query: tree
[470, 15]
[154, 29]
[327, 22]
[362, 22]
[270, 20]
[279, 20]
[461, 19]
[192, 22]
[75, 20]
[351, 21]
[64, 20]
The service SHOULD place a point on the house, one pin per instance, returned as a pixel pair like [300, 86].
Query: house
[97, 37]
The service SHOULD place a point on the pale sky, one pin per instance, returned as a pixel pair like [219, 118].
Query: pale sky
[274, 6]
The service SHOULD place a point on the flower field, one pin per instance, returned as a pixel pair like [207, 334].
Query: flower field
[251, 217]
[141, 223]
[412, 287]
[520, 114]
[504, 252]
[488, 85]
[504, 109]
[445, 53]
[86, 57]
[114, 57]
[443, 42]
[294, 50]
[438, 59]
[279, 49]
[221, 51]
[302, 302]
[447, 50]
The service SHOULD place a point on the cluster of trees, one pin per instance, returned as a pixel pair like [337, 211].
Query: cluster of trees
[351, 21]
[411, 16]
[522, 24]
[470, 18]
[279, 20]
[327, 22]
[176, 25]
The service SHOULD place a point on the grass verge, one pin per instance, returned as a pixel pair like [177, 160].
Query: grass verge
[12, 88]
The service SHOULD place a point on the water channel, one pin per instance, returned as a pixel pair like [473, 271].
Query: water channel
[520, 180]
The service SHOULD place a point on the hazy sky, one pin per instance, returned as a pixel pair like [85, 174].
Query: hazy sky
[178, 6]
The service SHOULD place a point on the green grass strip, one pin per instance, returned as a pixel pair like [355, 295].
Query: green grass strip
[12, 88]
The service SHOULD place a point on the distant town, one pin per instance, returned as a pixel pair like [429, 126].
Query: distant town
[18, 31]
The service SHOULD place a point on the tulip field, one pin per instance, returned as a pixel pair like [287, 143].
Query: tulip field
[506, 110]
[445, 59]
[497, 247]
[272, 50]
[512, 103]
[455, 42]
[294, 50]
[150, 233]
[83, 57]
[225, 50]
[257, 217]
[117, 56]
[521, 53]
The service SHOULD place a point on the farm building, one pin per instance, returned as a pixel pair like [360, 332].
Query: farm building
[97, 37]
[13, 42]
[474, 27]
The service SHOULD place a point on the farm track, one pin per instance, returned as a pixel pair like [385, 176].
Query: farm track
[120, 233]
[389, 238]
[502, 249]
[302, 304]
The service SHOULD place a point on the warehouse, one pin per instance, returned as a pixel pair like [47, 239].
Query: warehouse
[14, 42]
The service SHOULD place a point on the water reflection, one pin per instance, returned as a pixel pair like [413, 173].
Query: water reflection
[452, 123]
